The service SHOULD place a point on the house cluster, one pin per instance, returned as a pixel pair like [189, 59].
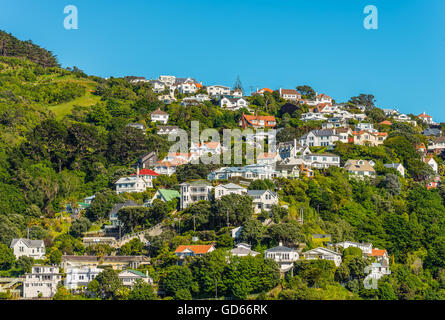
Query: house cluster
[43, 280]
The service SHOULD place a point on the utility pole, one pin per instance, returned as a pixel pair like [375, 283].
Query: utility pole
[216, 288]
[194, 223]
[227, 213]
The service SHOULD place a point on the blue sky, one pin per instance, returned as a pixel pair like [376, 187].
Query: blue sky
[281, 43]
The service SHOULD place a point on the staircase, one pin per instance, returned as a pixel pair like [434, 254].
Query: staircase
[153, 231]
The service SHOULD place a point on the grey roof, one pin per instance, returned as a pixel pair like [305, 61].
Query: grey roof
[29, 243]
[391, 165]
[281, 249]
[320, 133]
[259, 192]
[231, 186]
[243, 251]
[431, 132]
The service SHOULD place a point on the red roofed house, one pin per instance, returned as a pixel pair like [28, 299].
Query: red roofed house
[380, 255]
[386, 123]
[264, 90]
[426, 118]
[290, 94]
[193, 250]
[147, 175]
[257, 121]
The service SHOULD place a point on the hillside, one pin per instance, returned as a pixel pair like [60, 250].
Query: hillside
[64, 136]
[10, 46]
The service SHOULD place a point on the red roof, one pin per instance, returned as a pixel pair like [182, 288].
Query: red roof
[424, 115]
[146, 172]
[196, 248]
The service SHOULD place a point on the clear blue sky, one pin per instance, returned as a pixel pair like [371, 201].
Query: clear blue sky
[284, 43]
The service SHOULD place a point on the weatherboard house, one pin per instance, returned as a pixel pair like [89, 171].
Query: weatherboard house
[28, 248]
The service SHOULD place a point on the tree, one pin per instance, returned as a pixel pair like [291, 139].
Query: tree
[264, 184]
[79, 227]
[252, 232]
[364, 100]
[142, 291]
[7, 257]
[132, 217]
[24, 264]
[102, 205]
[175, 279]
[234, 207]
[225, 240]
[289, 233]
[132, 248]
[391, 183]
[54, 256]
[306, 92]
[108, 283]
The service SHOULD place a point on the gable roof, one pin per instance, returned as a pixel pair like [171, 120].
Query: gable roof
[230, 186]
[169, 195]
[281, 249]
[146, 172]
[378, 252]
[159, 112]
[353, 165]
[290, 91]
[196, 248]
[28, 242]
[135, 272]
[322, 250]
[259, 192]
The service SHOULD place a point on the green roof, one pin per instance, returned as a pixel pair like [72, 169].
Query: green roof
[169, 195]
[137, 272]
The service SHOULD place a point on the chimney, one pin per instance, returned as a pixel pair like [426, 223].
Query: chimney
[137, 171]
[281, 243]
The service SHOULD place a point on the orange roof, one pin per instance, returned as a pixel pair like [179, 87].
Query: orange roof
[266, 89]
[196, 248]
[421, 146]
[265, 118]
[378, 252]
[198, 85]
[424, 115]
[386, 122]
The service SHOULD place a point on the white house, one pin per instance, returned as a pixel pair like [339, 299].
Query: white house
[284, 256]
[322, 160]
[263, 199]
[28, 248]
[311, 116]
[365, 247]
[168, 80]
[319, 138]
[249, 172]
[398, 166]
[80, 276]
[431, 162]
[269, 158]
[166, 130]
[323, 254]
[193, 250]
[147, 175]
[290, 94]
[159, 116]
[130, 276]
[199, 149]
[130, 184]
[229, 188]
[233, 103]
[243, 250]
[41, 282]
[218, 90]
[194, 191]
[426, 118]
[359, 167]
